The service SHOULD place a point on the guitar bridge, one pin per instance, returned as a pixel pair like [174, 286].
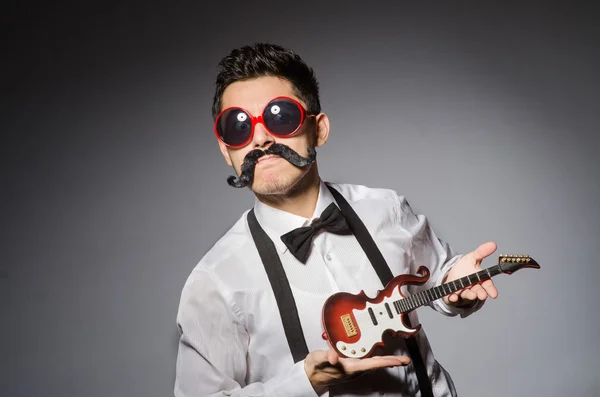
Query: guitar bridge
[349, 326]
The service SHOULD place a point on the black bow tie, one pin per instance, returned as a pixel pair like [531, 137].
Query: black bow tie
[299, 240]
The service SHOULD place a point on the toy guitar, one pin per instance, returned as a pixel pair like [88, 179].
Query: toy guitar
[354, 324]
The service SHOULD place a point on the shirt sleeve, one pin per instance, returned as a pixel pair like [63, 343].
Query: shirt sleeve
[213, 344]
[429, 250]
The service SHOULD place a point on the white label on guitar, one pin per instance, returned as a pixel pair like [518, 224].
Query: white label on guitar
[371, 334]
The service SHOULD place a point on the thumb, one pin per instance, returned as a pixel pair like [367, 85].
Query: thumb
[484, 250]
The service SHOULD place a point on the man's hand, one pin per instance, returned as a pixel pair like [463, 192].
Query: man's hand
[469, 264]
[325, 367]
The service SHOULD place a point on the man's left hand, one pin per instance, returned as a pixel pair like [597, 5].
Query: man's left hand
[469, 264]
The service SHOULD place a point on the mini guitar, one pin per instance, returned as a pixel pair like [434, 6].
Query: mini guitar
[354, 324]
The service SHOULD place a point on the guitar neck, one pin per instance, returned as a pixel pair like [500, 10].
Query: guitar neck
[424, 297]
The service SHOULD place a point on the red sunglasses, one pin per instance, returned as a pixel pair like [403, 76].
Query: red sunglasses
[282, 117]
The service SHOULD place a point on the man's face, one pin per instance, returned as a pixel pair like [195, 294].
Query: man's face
[272, 174]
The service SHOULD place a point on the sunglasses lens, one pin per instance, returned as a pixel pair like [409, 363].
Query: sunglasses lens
[234, 127]
[282, 117]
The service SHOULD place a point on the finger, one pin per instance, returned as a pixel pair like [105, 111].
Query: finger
[332, 357]
[480, 293]
[454, 297]
[330, 370]
[352, 365]
[483, 251]
[490, 288]
[468, 294]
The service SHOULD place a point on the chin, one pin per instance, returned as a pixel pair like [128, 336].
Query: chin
[272, 187]
[277, 184]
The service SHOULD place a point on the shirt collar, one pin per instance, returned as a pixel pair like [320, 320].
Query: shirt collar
[276, 222]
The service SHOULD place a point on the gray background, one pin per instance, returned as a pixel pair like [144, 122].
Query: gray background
[485, 117]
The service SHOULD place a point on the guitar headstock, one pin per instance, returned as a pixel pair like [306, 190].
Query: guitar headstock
[511, 263]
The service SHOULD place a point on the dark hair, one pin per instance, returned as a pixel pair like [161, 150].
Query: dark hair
[263, 59]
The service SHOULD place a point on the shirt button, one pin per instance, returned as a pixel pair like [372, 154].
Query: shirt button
[328, 257]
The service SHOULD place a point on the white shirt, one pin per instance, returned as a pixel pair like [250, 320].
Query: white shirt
[232, 341]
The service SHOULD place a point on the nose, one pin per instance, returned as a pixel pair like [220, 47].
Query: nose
[261, 139]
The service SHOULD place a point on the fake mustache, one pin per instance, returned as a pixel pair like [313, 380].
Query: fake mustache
[278, 149]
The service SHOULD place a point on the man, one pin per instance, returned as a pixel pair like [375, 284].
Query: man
[268, 123]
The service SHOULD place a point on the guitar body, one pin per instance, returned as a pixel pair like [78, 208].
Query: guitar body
[355, 324]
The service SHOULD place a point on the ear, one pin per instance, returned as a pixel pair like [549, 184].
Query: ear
[225, 153]
[322, 129]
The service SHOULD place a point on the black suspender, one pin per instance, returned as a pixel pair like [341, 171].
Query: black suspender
[281, 289]
[285, 300]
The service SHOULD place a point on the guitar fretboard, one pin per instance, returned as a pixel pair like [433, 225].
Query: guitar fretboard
[424, 297]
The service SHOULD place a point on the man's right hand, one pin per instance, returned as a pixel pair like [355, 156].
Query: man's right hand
[325, 367]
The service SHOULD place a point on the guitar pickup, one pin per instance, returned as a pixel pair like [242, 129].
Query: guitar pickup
[349, 325]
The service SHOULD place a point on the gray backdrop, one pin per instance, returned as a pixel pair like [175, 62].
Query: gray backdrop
[485, 117]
